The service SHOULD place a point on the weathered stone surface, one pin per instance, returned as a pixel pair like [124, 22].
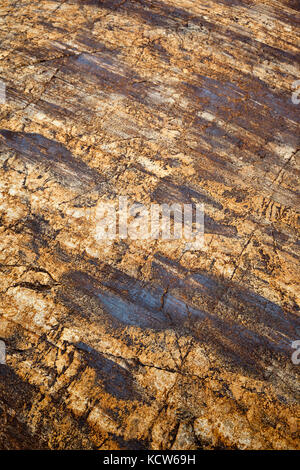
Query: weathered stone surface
[133, 344]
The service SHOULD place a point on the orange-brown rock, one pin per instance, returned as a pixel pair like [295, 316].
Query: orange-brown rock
[145, 344]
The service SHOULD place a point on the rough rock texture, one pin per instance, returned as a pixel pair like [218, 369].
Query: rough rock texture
[132, 344]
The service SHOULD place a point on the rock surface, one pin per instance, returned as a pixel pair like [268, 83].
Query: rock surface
[144, 344]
